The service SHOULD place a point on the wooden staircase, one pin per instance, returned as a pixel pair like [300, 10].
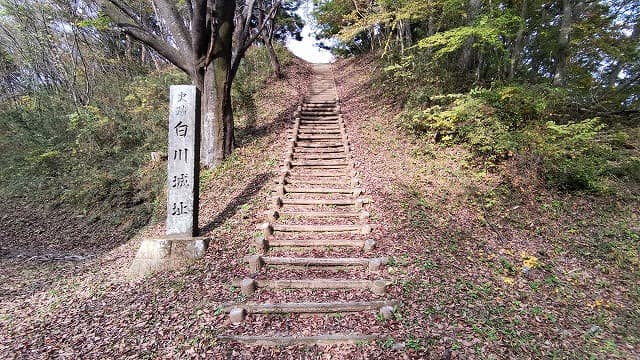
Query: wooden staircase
[316, 234]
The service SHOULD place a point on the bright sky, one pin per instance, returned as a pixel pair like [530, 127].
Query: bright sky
[306, 48]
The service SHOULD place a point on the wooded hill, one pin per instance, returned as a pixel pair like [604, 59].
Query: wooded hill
[553, 84]
[499, 142]
[84, 108]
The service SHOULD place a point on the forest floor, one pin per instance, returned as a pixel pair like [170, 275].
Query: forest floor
[486, 264]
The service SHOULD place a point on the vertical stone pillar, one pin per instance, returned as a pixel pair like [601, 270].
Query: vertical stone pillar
[183, 161]
[183, 165]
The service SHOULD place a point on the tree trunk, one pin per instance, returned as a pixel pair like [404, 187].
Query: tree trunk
[560, 75]
[129, 47]
[214, 79]
[465, 61]
[222, 56]
[273, 57]
[408, 35]
[404, 34]
[518, 42]
[210, 155]
[227, 113]
[204, 51]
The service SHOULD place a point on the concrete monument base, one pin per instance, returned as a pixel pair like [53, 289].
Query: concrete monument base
[166, 252]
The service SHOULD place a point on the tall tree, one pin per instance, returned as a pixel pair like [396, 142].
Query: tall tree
[207, 40]
[566, 23]
[285, 24]
[518, 42]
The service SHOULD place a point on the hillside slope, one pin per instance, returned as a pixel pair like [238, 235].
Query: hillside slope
[484, 268]
[493, 264]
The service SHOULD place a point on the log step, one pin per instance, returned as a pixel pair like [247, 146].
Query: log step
[317, 123]
[308, 144]
[316, 243]
[300, 340]
[317, 179]
[337, 202]
[323, 121]
[322, 228]
[322, 109]
[377, 286]
[320, 166]
[312, 132]
[318, 106]
[335, 125]
[318, 174]
[321, 102]
[316, 182]
[320, 150]
[256, 262]
[311, 308]
[324, 125]
[317, 190]
[300, 143]
[323, 156]
[319, 130]
[319, 137]
[318, 113]
[322, 214]
[319, 163]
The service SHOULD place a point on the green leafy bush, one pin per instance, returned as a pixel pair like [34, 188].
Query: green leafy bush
[573, 159]
[462, 119]
[95, 156]
[497, 123]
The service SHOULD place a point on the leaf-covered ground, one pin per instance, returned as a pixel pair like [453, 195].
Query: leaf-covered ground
[486, 265]
[494, 265]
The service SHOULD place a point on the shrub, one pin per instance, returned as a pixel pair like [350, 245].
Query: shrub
[494, 123]
[573, 159]
[93, 154]
[462, 119]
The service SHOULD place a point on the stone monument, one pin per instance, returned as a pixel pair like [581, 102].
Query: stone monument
[183, 164]
[183, 161]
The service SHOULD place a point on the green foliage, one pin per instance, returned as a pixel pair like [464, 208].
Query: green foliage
[483, 119]
[80, 114]
[465, 120]
[521, 105]
[573, 159]
[101, 22]
[485, 34]
[458, 45]
[94, 154]
[498, 124]
[330, 17]
[628, 168]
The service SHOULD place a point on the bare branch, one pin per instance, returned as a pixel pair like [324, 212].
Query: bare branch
[130, 26]
[125, 9]
[170, 15]
[246, 40]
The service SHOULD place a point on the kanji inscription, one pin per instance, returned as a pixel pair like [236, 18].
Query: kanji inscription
[183, 161]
